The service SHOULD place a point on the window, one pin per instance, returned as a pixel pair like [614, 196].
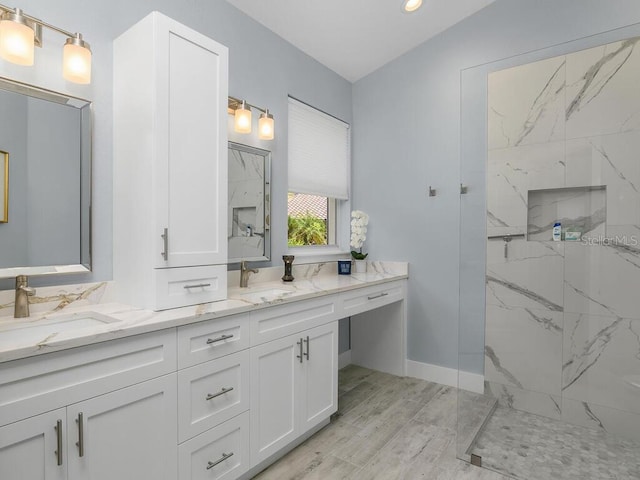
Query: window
[319, 166]
[311, 220]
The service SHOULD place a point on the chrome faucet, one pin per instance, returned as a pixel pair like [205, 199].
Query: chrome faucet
[23, 292]
[244, 274]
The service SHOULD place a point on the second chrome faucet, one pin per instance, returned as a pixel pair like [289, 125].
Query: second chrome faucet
[244, 274]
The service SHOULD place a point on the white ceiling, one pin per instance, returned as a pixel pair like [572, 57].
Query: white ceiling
[356, 37]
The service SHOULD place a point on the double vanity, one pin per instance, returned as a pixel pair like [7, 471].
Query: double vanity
[219, 390]
[167, 372]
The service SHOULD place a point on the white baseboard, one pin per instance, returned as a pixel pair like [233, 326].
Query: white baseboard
[344, 359]
[472, 382]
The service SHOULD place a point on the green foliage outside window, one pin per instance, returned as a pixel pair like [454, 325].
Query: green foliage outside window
[307, 230]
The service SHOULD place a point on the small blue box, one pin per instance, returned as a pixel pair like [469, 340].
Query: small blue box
[344, 267]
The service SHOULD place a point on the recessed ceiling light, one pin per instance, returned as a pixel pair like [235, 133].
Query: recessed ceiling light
[411, 5]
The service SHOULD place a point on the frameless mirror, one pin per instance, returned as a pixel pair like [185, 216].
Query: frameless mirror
[249, 203]
[46, 183]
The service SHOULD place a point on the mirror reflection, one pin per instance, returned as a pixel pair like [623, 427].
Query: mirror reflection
[47, 137]
[249, 203]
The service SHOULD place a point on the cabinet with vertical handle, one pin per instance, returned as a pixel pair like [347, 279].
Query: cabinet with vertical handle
[294, 387]
[126, 434]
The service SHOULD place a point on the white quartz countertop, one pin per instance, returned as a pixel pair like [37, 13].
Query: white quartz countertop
[82, 315]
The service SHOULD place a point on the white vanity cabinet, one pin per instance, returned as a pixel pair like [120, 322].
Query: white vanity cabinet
[170, 165]
[29, 448]
[127, 434]
[294, 384]
[101, 412]
[214, 398]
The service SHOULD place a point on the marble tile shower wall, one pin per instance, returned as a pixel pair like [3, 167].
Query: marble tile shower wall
[563, 318]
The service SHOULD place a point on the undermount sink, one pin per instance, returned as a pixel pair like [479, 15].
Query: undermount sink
[39, 330]
[265, 295]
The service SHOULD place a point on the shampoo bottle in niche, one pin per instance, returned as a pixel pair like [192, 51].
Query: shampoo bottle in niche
[557, 232]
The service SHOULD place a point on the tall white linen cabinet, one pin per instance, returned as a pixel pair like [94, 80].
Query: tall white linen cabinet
[170, 165]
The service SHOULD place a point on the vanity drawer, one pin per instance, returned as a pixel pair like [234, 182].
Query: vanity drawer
[184, 286]
[221, 453]
[363, 299]
[38, 384]
[277, 322]
[212, 392]
[204, 341]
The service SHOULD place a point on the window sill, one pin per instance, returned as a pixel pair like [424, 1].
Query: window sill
[318, 254]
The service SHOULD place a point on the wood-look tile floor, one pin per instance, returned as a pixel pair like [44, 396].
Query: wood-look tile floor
[386, 428]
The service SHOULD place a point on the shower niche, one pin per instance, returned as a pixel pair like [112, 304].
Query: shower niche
[581, 211]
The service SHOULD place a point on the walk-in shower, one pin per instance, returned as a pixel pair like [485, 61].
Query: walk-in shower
[549, 327]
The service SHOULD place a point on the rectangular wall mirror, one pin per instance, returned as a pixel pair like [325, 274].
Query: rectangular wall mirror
[249, 203]
[47, 140]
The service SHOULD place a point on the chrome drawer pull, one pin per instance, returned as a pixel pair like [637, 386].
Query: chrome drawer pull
[307, 342]
[165, 241]
[199, 285]
[224, 457]
[80, 442]
[301, 354]
[59, 438]
[383, 294]
[211, 396]
[219, 339]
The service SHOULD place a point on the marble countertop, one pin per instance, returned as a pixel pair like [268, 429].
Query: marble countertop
[73, 316]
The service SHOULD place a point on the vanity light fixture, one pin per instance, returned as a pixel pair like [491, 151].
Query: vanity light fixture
[241, 110]
[243, 118]
[410, 6]
[265, 126]
[20, 33]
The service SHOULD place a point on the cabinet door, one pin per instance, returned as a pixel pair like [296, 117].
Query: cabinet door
[192, 155]
[129, 434]
[319, 388]
[29, 449]
[275, 370]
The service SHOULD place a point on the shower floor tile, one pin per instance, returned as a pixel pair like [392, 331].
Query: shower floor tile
[531, 447]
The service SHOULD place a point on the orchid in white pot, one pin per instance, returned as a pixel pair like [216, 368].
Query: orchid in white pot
[359, 222]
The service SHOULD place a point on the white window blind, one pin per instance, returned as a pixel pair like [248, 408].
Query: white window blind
[319, 152]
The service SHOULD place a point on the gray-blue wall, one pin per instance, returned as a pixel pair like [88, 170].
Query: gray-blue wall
[406, 137]
[263, 69]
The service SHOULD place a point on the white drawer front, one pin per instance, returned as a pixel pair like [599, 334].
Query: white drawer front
[204, 341]
[277, 322]
[38, 384]
[361, 300]
[221, 453]
[211, 393]
[183, 286]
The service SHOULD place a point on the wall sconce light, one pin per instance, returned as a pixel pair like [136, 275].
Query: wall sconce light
[265, 126]
[243, 118]
[241, 110]
[20, 33]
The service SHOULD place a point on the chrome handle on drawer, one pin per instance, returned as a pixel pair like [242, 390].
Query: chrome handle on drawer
[301, 354]
[219, 339]
[59, 439]
[211, 396]
[199, 285]
[307, 342]
[165, 240]
[80, 442]
[210, 465]
[383, 294]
